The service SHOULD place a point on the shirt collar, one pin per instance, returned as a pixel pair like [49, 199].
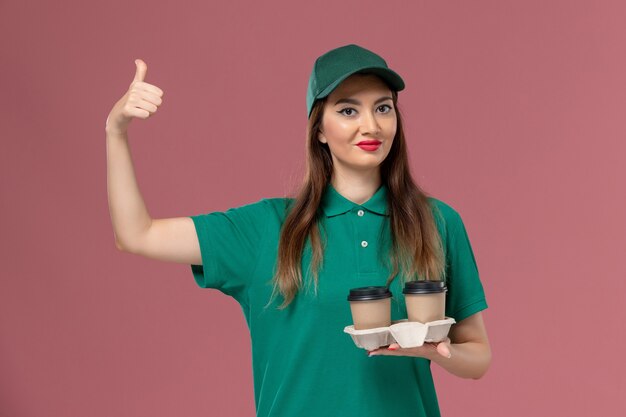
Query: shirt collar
[334, 203]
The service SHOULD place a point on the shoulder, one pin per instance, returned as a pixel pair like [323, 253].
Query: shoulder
[265, 206]
[278, 206]
[444, 209]
[447, 217]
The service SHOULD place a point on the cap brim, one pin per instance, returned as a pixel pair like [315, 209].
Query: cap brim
[392, 78]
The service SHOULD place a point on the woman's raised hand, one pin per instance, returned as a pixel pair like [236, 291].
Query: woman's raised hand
[141, 100]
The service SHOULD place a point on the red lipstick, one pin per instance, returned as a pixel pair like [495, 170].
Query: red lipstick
[369, 145]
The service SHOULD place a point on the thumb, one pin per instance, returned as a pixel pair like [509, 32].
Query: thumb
[444, 349]
[140, 74]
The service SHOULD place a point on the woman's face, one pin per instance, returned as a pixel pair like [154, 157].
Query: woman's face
[359, 109]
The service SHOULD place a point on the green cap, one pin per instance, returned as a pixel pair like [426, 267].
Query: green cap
[338, 64]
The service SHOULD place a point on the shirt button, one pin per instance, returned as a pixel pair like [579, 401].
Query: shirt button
[360, 212]
[364, 244]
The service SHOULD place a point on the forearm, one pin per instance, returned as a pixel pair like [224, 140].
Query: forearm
[128, 211]
[468, 360]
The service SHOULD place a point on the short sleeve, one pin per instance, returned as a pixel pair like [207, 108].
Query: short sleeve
[230, 244]
[465, 294]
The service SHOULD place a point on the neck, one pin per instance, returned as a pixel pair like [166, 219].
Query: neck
[357, 189]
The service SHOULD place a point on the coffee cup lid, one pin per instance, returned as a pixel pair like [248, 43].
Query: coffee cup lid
[369, 293]
[424, 287]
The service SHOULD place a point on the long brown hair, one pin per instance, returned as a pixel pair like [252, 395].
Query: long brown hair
[416, 243]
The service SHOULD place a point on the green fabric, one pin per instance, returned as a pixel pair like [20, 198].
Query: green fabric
[303, 362]
[331, 68]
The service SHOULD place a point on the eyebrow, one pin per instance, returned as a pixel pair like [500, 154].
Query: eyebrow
[357, 102]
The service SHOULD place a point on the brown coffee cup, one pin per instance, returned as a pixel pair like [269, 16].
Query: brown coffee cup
[425, 300]
[370, 307]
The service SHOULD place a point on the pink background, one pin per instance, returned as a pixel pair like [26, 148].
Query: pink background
[514, 115]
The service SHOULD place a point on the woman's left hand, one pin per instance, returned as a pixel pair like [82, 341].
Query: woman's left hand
[427, 350]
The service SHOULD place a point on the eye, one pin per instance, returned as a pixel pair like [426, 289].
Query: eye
[351, 109]
[347, 108]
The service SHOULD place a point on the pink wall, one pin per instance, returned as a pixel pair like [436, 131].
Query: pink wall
[515, 116]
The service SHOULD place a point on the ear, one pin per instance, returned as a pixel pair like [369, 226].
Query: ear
[321, 137]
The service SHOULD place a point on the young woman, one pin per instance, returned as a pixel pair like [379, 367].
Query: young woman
[357, 220]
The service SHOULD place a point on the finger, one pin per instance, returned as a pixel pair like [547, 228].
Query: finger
[139, 112]
[444, 350]
[138, 106]
[142, 68]
[146, 105]
[153, 89]
[391, 350]
[150, 97]
[378, 351]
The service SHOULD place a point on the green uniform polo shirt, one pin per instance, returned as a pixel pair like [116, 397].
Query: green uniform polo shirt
[303, 363]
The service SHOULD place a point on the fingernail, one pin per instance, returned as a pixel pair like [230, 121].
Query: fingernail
[449, 355]
[392, 348]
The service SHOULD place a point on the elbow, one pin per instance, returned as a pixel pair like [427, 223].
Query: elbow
[485, 368]
[119, 246]
[480, 376]
[126, 246]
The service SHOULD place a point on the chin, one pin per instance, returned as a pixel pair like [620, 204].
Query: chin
[367, 166]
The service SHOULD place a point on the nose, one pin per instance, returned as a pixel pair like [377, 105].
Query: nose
[370, 124]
